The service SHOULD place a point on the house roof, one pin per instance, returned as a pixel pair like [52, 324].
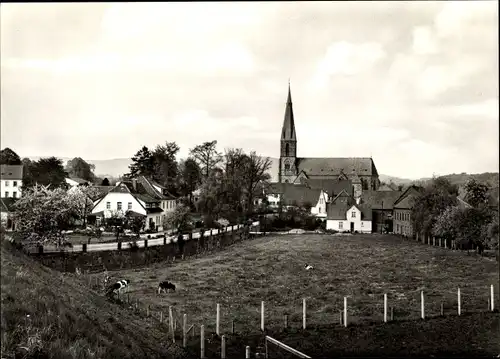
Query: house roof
[405, 199]
[330, 186]
[363, 166]
[78, 180]
[7, 204]
[301, 195]
[379, 199]
[343, 197]
[11, 172]
[339, 211]
[148, 188]
[462, 204]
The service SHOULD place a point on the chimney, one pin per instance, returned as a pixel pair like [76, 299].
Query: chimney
[134, 184]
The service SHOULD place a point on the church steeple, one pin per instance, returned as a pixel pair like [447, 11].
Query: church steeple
[288, 130]
[288, 144]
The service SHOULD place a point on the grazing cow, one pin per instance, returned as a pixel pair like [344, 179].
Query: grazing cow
[118, 287]
[308, 267]
[165, 286]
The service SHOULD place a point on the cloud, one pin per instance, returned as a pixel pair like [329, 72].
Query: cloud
[412, 83]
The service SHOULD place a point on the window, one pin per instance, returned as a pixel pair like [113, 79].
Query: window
[353, 214]
[119, 206]
[287, 167]
[362, 224]
[341, 225]
[6, 183]
[14, 194]
[129, 206]
[6, 193]
[397, 228]
[108, 205]
[14, 183]
[287, 150]
[319, 209]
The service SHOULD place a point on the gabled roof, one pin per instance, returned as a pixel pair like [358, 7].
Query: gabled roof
[332, 186]
[379, 199]
[362, 166]
[343, 197]
[339, 211]
[405, 199]
[146, 186]
[7, 204]
[11, 172]
[300, 195]
[78, 180]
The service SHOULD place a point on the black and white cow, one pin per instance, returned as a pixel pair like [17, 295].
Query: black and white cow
[308, 267]
[119, 287]
[165, 286]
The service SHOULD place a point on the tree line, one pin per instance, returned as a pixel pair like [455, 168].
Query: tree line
[437, 211]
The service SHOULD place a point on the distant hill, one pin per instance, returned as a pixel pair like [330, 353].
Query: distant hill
[119, 166]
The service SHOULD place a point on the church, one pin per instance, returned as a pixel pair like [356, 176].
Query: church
[360, 171]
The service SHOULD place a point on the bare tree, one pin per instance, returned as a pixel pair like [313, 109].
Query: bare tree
[207, 156]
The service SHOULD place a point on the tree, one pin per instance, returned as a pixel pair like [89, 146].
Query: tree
[438, 195]
[189, 178]
[446, 224]
[46, 171]
[79, 168]
[180, 218]
[85, 196]
[43, 214]
[118, 221]
[255, 176]
[165, 166]
[9, 157]
[135, 223]
[476, 193]
[105, 182]
[142, 163]
[207, 156]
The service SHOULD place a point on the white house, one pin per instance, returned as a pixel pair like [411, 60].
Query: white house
[319, 208]
[140, 196]
[11, 181]
[349, 218]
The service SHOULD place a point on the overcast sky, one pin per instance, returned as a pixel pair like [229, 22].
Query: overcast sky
[413, 84]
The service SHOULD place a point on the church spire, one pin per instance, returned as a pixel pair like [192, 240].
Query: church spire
[288, 130]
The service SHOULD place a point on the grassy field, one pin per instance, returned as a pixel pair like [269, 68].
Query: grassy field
[361, 267]
[47, 314]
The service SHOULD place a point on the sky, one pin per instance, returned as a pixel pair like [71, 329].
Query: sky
[412, 84]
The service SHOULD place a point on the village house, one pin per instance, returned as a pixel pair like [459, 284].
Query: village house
[402, 208]
[348, 217]
[381, 203]
[139, 196]
[11, 181]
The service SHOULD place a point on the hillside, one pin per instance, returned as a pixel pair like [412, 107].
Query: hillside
[48, 314]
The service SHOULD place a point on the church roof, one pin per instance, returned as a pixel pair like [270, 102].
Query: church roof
[329, 185]
[334, 166]
[288, 130]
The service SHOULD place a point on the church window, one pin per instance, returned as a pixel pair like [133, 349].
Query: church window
[287, 167]
[287, 150]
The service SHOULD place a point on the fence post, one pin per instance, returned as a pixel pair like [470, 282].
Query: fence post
[286, 321]
[345, 312]
[84, 248]
[392, 314]
[459, 302]
[171, 323]
[304, 313]
[202, 342]
[262, 316]
[161, 317]
[492, 299]
[217, 321]
[442, 309]
[184, 327]
[232, 327]
[147, 311]
[385, 308]
[223, 347]
[340, 317]
[422, 304]
[247, 352]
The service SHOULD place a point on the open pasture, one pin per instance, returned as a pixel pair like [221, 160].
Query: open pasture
[271, 269]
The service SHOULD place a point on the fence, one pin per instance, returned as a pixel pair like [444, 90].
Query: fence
[183, 330]
[114, 246]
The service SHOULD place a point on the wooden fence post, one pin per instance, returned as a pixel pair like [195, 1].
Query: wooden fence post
[171, 323]
[422, 304]
[217, 320]
[304, 313]
[161, 317]
[184, 327]
[247, 352]
[392, 314]
[442, 309]
[223, 347]
[492, 299]
[286, 321]
[202, 342]
[232, 327]
[345, 312]
[340, 318]
[385, 308]
[262, 316]
[459, 302]
[147, 311]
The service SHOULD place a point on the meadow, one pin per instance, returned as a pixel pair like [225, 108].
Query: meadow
[360, 267]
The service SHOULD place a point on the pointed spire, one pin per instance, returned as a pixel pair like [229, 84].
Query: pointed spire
[288, 130]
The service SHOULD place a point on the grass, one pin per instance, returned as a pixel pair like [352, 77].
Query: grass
[48, 314]
[361, 267]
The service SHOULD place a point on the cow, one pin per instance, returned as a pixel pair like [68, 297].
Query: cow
[118, 287]
[165, 286]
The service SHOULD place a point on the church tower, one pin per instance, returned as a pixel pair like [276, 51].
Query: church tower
[288, 144]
